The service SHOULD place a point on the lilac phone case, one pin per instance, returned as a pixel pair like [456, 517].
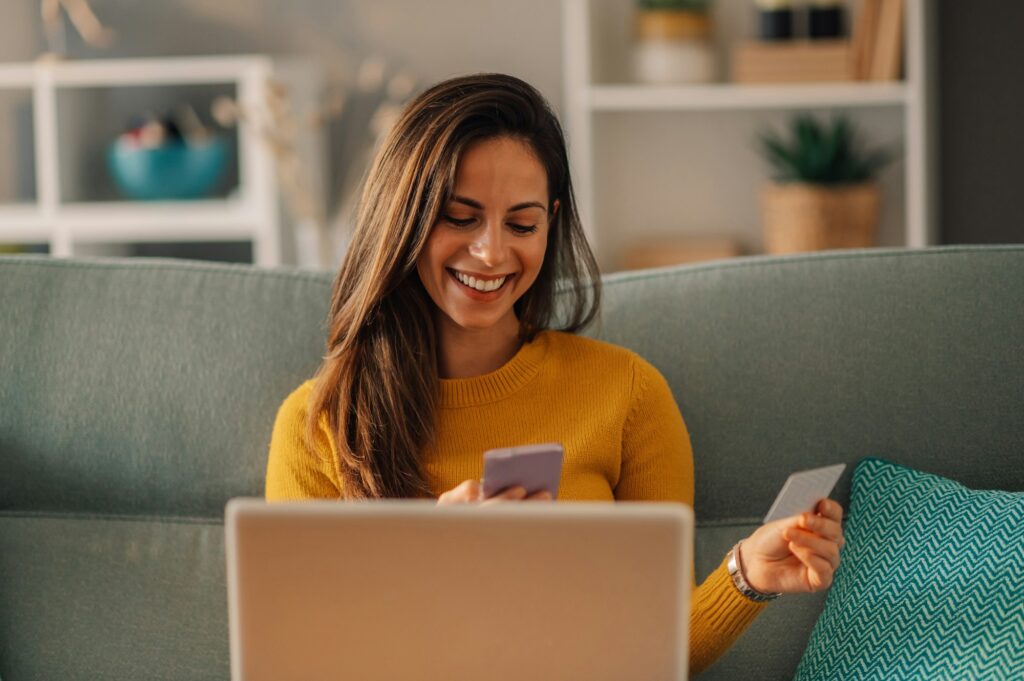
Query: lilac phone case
[534, 467]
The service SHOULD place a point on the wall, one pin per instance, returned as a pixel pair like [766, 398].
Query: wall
[981, 106]
[435, 39]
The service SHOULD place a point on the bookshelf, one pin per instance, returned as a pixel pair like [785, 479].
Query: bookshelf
[77, 109]
[680, 160]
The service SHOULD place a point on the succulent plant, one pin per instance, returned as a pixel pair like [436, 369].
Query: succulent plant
[822, 153]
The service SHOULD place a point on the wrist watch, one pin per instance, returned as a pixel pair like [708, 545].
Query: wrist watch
[739, 580]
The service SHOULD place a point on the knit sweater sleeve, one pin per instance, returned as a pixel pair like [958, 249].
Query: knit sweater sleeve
[296, 468]
[657, 465]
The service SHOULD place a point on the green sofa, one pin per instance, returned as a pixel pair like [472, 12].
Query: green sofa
[137, 397]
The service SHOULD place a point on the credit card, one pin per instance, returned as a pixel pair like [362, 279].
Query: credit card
[804, 490]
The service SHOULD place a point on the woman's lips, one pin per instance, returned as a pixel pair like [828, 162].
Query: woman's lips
[483, 296]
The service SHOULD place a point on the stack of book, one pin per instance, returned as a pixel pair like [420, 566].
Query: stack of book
[874, 53]
[878, 41]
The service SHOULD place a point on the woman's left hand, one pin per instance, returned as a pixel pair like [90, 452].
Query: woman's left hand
[795, 554]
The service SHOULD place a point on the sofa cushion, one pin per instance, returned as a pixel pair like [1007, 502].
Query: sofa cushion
[930, 586]
[94, 597]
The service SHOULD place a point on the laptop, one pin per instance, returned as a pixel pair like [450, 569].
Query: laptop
[406, 590]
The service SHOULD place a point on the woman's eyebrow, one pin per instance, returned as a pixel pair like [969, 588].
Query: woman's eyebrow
[528, 204]
[519, 206]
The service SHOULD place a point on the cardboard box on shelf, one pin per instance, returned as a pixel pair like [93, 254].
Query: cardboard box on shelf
[799, 61]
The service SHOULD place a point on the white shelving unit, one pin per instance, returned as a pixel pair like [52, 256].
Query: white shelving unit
[70, 224]
[726, 97]
[628, 141]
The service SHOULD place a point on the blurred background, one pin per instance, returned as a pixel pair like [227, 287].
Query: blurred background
[240, 130]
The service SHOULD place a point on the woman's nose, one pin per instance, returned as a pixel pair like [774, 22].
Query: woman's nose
[488, 247]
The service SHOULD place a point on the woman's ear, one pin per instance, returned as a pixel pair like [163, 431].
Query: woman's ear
[554, 208]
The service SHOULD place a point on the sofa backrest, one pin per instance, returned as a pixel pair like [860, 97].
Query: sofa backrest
[783, 364]
[136, 397]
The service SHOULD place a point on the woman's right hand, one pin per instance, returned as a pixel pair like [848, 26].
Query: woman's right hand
[470, 491]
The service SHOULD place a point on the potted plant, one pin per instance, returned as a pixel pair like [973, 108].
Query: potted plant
[824, 192]
[672, 42]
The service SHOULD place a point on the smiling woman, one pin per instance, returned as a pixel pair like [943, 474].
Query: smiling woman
[441, 345]
[472, 184]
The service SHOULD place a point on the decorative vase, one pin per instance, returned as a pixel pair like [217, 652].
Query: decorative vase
[672, 46]
[804, 217]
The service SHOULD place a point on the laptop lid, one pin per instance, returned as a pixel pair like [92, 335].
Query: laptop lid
[388, 590]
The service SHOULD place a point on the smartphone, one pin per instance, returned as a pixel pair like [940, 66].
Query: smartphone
[533, 467]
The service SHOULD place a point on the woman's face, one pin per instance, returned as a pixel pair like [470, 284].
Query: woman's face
[487, 248]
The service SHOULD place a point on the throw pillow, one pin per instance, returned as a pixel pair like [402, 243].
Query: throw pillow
[931, 583]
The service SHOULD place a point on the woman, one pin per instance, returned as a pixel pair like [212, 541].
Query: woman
[440, 347]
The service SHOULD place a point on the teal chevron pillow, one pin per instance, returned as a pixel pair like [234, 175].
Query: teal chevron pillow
[931, 583]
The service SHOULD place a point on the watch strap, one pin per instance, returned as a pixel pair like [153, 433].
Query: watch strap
[739, 580]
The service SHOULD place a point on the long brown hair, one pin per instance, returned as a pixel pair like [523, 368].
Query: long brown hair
[378, 384]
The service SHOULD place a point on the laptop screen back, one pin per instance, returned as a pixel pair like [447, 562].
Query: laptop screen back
[406, 590]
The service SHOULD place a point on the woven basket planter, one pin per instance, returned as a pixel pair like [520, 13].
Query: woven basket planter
[804, 217]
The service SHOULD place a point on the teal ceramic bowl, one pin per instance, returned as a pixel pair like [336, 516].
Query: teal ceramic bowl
[173, 171]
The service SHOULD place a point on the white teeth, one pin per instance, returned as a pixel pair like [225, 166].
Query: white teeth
[480, 284]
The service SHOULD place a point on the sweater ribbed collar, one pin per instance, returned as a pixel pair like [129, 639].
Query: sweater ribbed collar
[499, 384]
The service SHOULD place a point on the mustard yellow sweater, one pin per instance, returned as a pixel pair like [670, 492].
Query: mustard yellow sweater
[623, 435]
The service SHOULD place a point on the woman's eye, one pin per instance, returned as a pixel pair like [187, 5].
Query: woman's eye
[523, 229]
[457, 222]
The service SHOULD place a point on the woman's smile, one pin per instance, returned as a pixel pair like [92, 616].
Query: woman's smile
[480, 287]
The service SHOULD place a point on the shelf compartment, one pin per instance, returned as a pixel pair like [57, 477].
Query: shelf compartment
[132, 221]
[662, 175]
[743, 97]
[17, 153]
[89, 120]
[78, 108]
[22, 224]
[33, 247]
[216, 251]
[16, 76]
